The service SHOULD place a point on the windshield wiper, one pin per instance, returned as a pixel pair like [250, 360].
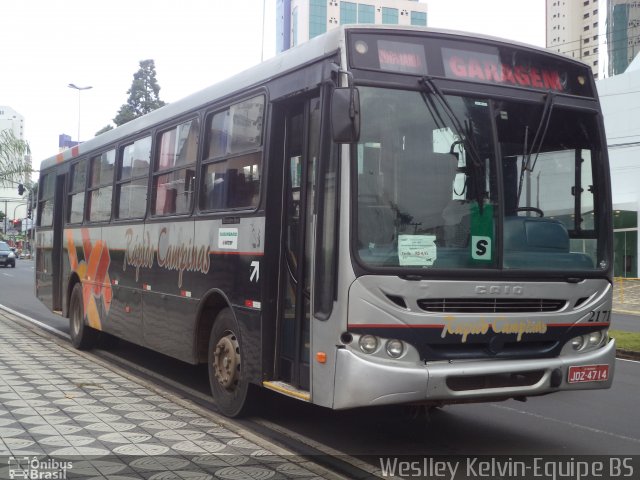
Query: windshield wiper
[536, 144]
[464, 132]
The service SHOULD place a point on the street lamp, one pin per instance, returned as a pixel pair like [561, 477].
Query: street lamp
[72, 85]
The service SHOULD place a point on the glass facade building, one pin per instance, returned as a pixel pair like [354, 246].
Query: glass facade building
[623, 34]
[302, 20]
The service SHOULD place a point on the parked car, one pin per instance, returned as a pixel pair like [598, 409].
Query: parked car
[7, 256]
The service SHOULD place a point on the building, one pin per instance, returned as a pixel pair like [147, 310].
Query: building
[300, 20]
[573, 28]
[620, 100]
[11, 120]
[623, 34]
[11, 204]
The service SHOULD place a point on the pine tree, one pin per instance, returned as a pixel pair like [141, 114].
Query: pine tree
[143, 94]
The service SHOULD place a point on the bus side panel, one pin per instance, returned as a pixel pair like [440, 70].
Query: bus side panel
[169, 323]
[168, 302]
[44, 267]
[236, 254]
[86, 255]
[125, 315]
[250, 330]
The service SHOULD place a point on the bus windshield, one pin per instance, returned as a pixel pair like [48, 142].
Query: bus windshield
[428, 189]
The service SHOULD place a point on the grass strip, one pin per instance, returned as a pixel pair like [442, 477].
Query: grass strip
[626, 340]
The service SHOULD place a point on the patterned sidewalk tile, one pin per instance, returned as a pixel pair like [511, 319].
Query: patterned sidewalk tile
[62, 413]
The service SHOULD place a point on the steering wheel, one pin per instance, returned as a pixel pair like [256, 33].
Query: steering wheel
[531, 209]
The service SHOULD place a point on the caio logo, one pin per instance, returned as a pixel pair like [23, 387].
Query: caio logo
[499, 289]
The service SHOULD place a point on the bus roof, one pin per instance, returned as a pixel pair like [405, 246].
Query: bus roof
[315, 48]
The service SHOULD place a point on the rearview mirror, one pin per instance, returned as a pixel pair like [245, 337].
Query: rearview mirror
[345, 115]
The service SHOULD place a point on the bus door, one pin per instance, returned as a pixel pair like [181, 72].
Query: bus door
[301, 137]
[58, 250]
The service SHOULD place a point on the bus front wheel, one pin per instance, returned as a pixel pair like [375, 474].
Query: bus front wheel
[228, 380]
[83, 337]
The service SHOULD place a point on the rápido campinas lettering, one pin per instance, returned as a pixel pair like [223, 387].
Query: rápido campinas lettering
[465, 327]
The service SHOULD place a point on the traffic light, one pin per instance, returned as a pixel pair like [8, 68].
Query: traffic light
[20, 189]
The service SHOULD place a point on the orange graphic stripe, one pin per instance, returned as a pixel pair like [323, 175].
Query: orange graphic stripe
[71, 251]
[86, 243]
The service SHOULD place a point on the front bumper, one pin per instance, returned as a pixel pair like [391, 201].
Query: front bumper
[368, 381]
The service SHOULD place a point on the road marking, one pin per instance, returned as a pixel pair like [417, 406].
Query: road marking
[571, 424]
[627, 360]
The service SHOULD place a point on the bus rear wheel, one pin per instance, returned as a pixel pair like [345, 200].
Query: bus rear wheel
[83, 337]
[227, 377]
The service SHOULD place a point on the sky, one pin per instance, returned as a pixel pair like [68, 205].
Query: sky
[195, 43]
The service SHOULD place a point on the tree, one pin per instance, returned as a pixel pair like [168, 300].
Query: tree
[143, 94]
[14, 164]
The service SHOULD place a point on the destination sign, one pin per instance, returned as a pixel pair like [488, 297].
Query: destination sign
[484, 67]
[455, 57]
[401, 57]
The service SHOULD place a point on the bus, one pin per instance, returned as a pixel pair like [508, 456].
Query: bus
[382, 215]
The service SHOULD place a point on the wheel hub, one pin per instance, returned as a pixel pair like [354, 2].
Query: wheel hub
[226, 361]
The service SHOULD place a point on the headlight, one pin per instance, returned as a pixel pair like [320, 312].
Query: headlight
[589, 341]
[368, 343]
[595, 338]
[577, 343]
[395, 348]
[12, 255]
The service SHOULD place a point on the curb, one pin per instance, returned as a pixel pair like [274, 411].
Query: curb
[628, 355]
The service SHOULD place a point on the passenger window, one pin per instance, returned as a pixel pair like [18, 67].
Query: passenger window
[233, 157]
[174, 178]
[77, 192]
[101, 186]
[45, 205]
[132, 180]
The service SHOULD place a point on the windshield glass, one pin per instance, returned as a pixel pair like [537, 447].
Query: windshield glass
[425, 181]
[550, 193]
[427, 190]
[4, 247]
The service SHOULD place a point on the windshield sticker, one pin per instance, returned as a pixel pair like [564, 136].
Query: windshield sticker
[481, 247]
[481, 232]
[417, 250]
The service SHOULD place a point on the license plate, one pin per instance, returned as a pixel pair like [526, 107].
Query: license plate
[588, 373]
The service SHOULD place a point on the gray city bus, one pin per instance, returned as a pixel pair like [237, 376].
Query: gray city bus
[382, 215]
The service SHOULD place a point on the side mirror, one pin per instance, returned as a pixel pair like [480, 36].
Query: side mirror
[345, 115]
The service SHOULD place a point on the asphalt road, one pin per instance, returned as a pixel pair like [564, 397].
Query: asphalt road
[571, 423]
[625, 322]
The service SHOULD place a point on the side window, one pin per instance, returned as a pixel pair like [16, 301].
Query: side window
[75, 210]
[132, 179]
[232, 163]
[101, 186]
[46, 192]
[174, 169]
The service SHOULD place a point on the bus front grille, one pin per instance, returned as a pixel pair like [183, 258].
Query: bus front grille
[491, 305]
[503, 380]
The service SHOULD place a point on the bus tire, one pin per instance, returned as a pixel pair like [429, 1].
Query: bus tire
[83, 337]
[227, 378]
